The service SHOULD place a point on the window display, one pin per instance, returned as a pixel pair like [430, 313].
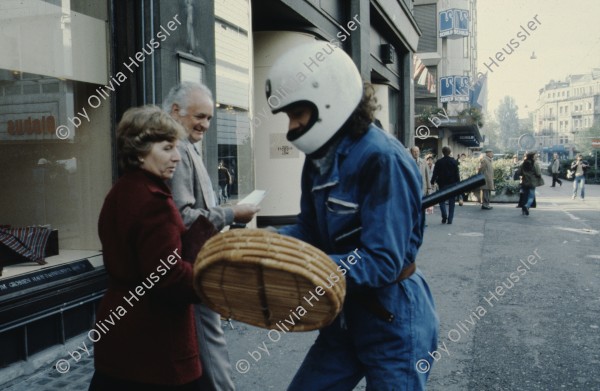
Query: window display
[55, 150]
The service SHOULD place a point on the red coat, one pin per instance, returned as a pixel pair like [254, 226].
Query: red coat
[146, 335]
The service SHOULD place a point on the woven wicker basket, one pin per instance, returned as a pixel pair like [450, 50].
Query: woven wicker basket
[263, 278]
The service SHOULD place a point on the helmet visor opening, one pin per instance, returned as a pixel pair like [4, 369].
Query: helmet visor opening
[296, 133]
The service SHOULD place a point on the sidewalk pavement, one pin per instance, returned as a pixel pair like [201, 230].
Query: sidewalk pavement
[450, 257]
[542, 332]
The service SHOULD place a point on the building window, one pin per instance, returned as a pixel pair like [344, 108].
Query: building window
[55, 123]
[426, 17]
[233, 51]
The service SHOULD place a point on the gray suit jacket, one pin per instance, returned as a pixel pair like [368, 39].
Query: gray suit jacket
[187, 191]
[555, 168]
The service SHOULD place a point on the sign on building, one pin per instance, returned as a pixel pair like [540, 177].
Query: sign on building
[446, 89]
[461, 88]
[454, 23]
[455, 88]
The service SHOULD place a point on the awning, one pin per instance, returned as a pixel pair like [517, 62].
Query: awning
[560, 148]
[468, 140]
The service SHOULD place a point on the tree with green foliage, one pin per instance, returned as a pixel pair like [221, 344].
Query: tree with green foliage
[583, 139]
[491, 131]
[508, 122]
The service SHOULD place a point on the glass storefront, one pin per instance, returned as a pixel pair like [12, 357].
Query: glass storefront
[55, 169]
[55, 123]
[233, 49]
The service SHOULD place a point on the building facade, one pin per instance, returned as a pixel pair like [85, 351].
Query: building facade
[72, 69]
[380, 36]
[564, 110]
[445, 76]
[56, 121]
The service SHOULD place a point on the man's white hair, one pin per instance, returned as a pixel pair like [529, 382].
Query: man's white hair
[180, 95]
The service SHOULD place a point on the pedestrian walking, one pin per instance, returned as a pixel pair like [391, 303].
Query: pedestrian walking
[579, 168]
[151, 341]
[445, 174]
[361, 194]
[487, 169]
[192, 105]
[224, 182]
[464, 196]
[421, 164]
[516, 165]
[555, 170]
[531, 177]
[429, 167]
[429, 188]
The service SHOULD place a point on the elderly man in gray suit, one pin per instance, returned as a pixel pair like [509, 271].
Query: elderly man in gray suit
[192, 105]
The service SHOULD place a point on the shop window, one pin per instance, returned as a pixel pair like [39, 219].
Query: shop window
[55, 127]
[235, 147]
[233, 52]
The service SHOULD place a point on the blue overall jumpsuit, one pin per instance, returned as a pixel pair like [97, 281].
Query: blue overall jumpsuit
[368, 204]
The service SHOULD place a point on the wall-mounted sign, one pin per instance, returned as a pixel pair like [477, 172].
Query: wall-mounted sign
[461, 88]
[446, 89]
[468, 140]
[281, 148]
[454, 23]
[32, 121]
[455, 88]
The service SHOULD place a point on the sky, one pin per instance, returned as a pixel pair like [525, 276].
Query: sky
[566, 41]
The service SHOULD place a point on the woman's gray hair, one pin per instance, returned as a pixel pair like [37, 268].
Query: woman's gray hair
[180, 95]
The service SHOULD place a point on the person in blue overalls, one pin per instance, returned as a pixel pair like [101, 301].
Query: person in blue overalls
[361, 200]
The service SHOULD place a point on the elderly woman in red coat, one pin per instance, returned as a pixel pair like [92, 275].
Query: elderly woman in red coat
[145, 337]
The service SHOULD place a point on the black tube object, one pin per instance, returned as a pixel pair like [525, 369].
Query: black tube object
[461, 187]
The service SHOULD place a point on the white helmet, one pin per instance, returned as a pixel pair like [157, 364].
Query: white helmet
[322, 76]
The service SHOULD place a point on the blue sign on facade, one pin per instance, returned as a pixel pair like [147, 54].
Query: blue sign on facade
[446, 22]
[446, 89]
[461, 88]
[455, 88]
[454, 23]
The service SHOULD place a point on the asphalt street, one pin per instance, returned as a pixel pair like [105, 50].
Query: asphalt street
[518, 300]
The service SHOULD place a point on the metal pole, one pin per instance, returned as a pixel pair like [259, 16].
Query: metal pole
[596, 169]
[472, 183]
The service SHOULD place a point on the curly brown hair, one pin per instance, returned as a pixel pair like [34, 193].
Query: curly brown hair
[139, 129]
[358, 122]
